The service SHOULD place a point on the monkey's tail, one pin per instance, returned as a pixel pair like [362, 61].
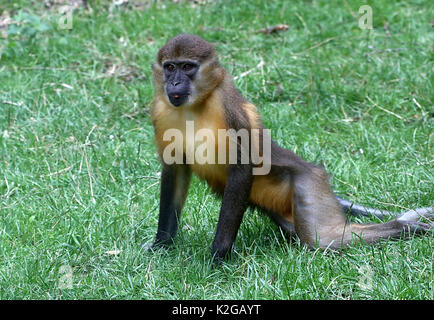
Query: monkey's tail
[359, 210]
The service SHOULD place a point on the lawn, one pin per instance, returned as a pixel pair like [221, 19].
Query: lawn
[79, 174]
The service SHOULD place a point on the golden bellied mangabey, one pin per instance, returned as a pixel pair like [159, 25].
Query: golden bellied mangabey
[194, 92]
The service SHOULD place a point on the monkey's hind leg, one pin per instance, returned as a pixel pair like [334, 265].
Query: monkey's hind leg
[320, 220]
[285, 226]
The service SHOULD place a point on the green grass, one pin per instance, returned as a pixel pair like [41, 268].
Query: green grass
[79, 171]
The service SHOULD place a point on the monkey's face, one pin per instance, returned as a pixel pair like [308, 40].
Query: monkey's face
[179, 76]
[186, 71]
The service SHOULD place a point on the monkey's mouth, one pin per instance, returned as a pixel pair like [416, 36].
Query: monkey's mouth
[178, 99]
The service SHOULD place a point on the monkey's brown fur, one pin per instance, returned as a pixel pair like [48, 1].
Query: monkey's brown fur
[295, 193]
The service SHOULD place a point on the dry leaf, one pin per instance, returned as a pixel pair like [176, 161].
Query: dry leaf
[5, 20]
[113, 252]
[50, 4]
[277, 28]
[119, 70]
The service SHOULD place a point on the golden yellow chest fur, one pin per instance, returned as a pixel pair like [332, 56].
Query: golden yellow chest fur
[209, 116]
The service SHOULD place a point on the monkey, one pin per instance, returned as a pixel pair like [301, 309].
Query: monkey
[191, 85]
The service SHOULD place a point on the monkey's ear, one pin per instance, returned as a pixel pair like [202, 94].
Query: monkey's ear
[156, 67]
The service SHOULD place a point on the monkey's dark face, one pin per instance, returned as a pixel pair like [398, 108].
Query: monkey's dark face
[186, 71]
[179, 76]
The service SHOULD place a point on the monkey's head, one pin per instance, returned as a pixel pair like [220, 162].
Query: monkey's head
[186, 70]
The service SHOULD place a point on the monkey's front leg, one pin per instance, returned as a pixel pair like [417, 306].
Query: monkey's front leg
[175, 180]
[234, 204]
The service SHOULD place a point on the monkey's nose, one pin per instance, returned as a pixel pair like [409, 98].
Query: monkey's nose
[176, 96]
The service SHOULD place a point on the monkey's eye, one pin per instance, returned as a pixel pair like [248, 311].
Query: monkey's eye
[187, 67]
[170, 67]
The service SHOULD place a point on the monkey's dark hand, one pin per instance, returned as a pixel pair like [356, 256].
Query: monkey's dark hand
[220, 253]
